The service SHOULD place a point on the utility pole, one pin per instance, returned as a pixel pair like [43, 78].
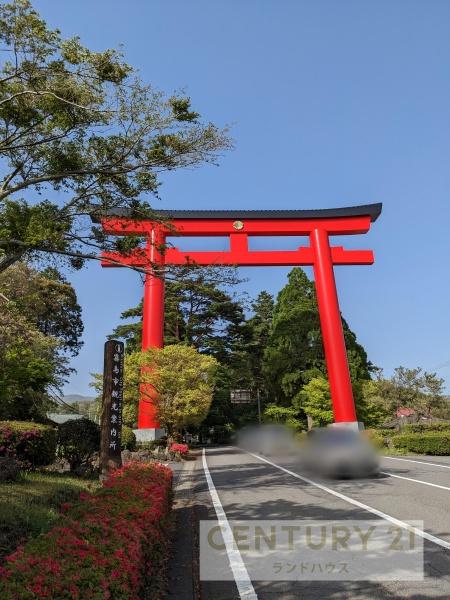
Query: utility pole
[259, 405]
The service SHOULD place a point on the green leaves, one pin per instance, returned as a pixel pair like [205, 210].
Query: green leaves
[83, 124]
[294, 353]
[315, 401]
[183, 379]
[40, 323]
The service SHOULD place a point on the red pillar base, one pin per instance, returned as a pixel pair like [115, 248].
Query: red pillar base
[353, 425]
[149, 434]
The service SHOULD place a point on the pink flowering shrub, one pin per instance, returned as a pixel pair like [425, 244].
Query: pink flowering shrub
[179, 448]
[31, 444]
[108, 546]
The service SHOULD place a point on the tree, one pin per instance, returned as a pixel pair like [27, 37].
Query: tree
[315, 401]
[48, 301]
[183, 379]
[294, 353]
[30, 367]
[40, 326]
[416, 389]
[259, 325]
[81, 134]
[198, 312]
[281, 414]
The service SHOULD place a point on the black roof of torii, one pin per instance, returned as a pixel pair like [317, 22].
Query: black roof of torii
[372, 210]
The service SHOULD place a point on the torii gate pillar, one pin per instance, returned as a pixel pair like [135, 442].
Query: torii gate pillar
[152, 333]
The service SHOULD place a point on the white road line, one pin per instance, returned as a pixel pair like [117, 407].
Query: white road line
[420, 462]
[241, 577]
[374, 511]
[443, 487]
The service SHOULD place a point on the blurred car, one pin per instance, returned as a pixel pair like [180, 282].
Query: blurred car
[338, 452]
[276, 440]
[268, 439]
[247, 438]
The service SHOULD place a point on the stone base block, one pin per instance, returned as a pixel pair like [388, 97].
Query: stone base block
[148, 435]
[355, 425]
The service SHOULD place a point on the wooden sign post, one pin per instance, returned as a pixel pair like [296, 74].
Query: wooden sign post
[111, 420]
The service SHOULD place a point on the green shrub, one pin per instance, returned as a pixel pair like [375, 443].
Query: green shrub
[380, 438]
[425, 426]
[385, 432]
[78, 441]
[128, 440]
[433, 442]
[32, 444]
[378, 441]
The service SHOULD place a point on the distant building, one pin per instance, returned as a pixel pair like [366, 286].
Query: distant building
[58, 419]
[404, 412]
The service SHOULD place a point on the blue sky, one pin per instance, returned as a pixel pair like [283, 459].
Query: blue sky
[331, 104]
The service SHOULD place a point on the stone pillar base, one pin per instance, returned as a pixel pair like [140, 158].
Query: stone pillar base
[355, 425]
[149, 435]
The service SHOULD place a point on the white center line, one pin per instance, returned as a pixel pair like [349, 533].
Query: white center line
[442, 487]
[374, 511]
[240, 574]
[420, 462]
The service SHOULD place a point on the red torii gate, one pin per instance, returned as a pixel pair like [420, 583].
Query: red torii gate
[238, 225]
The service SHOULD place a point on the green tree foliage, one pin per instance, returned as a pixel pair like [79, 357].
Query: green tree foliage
[260, 326]
[294, 353]
[49, 302]
[198, 312]
[81, 126]
[183, 379]
[78, 441]
[414, 388]
[30, 366]
[40, 325]
[283, 415]
[314, 400]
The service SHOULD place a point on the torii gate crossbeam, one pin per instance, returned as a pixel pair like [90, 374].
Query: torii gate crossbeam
[317, 225]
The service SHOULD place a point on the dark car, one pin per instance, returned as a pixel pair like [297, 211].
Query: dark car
[338, 452]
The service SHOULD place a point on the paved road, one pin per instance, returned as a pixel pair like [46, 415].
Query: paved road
[246, 487]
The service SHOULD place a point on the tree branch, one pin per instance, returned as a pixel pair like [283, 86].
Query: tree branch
[48, 93]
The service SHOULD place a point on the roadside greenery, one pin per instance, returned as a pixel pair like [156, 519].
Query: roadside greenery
[78, 441]
[31, 505]
[111, 544]
[30, 444]
[432, 442]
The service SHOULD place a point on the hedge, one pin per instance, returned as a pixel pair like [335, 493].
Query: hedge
[433, 442]
[380, 438]
[111, 545]
[425, 426]
[32, 444]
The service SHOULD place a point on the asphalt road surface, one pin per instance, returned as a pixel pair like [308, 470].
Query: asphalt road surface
[234, 485]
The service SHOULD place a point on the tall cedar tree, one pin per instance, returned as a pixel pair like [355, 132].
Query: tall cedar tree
[294, 353]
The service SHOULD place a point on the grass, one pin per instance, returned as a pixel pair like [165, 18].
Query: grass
[30, 505]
